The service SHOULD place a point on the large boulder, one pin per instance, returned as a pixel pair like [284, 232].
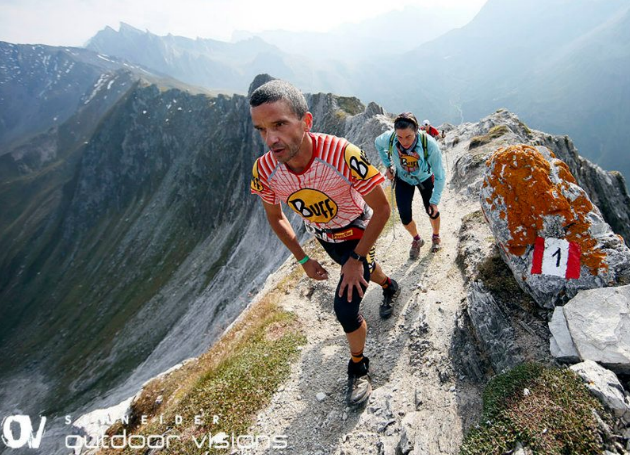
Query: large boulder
[552, 237]
[594, 325]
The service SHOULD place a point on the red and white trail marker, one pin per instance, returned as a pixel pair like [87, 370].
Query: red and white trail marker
[556, 257]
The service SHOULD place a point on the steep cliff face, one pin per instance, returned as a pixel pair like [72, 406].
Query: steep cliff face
[163, 174]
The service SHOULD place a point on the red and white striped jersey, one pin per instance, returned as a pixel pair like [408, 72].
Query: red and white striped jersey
[328, 193]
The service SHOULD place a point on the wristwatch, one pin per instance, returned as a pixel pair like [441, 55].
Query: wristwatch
[358, 257]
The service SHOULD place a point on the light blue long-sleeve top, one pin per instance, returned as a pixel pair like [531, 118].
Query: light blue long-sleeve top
[422, 171]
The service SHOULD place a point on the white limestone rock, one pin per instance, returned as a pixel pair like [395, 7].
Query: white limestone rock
[606, 387]
[561, 343]
[599, 323]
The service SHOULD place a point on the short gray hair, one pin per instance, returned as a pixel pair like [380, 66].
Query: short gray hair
[278, 90]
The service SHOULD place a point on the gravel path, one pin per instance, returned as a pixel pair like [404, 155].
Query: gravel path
[421, 403]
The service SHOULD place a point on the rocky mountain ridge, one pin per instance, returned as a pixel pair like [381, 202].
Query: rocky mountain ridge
[460, 320]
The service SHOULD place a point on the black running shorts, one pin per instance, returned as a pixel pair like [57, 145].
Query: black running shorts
[348, 313]
[404, 197]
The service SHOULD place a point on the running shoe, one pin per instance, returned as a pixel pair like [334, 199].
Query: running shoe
[435, 240]
[359, 382]
[414, 252]
[390, 294]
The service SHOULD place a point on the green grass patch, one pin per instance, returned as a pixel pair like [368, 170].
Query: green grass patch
[497, 276]
[234, 380]
[525, 127]
[499, 280]
[554, 418]
[494, 133]
[479, 159]
[474, 217]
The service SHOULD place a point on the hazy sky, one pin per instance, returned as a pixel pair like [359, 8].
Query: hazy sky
[73, 22]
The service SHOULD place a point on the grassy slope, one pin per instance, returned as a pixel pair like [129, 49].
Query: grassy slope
[233, 380]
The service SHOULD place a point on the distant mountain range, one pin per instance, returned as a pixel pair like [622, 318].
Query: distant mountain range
[561, 65]
[395, 32]
[215, 64]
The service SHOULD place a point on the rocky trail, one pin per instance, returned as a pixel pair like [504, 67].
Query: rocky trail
[460, 319]
[421, 400]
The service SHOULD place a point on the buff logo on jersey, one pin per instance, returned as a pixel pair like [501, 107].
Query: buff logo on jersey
[409, 162]
[313, 205]
[255, 184]
[359, 163]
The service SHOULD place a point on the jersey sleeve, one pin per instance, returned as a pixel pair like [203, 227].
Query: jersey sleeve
[364, 176]
[260, 186]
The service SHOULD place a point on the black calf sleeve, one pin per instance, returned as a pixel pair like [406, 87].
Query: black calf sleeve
[348, 313]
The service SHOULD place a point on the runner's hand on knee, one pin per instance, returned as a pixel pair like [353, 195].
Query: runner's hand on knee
[314, 270]
[433, 210]
[351, 277]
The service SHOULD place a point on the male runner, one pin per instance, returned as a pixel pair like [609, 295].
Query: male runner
[332, 186]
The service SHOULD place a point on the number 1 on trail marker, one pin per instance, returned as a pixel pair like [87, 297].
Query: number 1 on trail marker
[556, 257]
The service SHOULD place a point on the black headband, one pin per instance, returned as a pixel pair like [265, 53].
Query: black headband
[409, 117]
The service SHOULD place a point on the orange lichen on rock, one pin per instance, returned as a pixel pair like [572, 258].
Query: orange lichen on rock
[564, 172]
[521, 180]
